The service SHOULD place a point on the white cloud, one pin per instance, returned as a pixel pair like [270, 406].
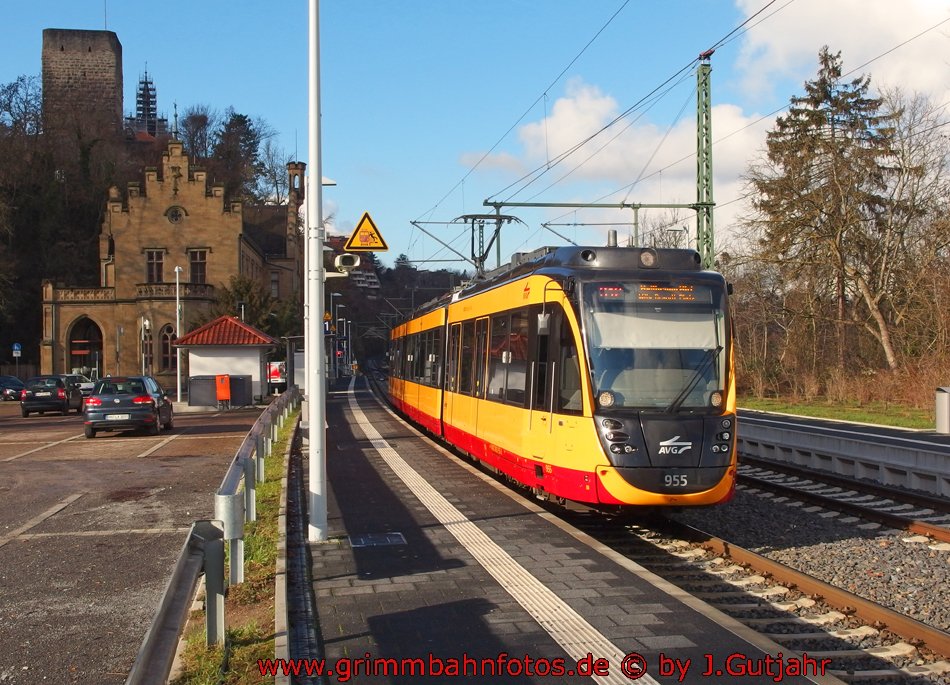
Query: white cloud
[786, 45]
[775, 58]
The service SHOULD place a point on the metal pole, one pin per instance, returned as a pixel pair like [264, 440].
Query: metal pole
[178, 271]
[316, 371]
[337, 342]
[705, 238]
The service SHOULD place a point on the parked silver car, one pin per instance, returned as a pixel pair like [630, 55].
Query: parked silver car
[85, 385]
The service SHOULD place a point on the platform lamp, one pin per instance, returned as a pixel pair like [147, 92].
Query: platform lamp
[178, 271]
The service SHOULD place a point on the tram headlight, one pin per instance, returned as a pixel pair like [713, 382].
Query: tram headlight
[606, 399]
[716, 399]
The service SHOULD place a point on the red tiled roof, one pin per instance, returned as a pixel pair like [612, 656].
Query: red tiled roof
[226, 330]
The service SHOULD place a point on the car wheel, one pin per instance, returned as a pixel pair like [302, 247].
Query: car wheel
[90, 432]
[168, 425]
[25, 413]
[154, 427]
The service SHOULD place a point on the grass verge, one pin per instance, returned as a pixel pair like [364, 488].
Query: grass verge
[884, 414]
[248, 607]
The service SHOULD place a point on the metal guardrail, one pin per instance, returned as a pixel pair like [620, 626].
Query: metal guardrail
[909, 463]
[204, 550]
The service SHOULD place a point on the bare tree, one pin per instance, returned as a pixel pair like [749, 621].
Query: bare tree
[272, 178]
[197, 131]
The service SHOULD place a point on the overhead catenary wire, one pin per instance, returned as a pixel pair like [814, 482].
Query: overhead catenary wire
[766, 117]
[543, 94]
[540, 171]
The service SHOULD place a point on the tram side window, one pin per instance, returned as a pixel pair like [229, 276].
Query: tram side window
[451, 364]
[467, 358]
[425, 364]
[396, 359]
[435, 349]
[419, 357]
[498, 357]
[569, 376]
[517, 383]
[481, 356]
[542, 357]
[408, 357]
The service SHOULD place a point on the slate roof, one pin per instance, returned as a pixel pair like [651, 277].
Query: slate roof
[266, 227]
[226, 330]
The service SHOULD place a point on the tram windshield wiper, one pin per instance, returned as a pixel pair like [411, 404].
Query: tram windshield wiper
[711, 355]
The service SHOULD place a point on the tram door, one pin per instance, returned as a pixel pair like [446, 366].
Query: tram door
[555, 399]
[542, 367]
[461, 407]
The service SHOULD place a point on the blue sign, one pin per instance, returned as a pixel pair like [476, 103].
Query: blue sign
[16, 347]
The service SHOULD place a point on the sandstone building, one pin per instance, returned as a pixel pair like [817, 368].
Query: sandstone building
[171, 220]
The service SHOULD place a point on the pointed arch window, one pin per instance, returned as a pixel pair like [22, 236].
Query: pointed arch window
[169, 358]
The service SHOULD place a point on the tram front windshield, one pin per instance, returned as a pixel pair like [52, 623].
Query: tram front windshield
[656, 346]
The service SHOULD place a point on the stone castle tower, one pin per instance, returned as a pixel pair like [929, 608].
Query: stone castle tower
[82, 81]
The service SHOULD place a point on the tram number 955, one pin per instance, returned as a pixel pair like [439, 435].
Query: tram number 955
[675, 480]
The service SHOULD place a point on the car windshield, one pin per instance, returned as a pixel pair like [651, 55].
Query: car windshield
[655, 345]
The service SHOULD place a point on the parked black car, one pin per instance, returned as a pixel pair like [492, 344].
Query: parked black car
[50, 393]
[10, 387]
[123, 402]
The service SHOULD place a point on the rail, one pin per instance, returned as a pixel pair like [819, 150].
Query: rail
[918, 461]
[203, 551]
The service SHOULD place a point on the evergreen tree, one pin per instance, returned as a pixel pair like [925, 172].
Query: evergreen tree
[822, 194]
[235, 157]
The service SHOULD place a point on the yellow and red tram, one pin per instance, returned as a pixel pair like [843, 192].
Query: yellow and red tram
[602, 375]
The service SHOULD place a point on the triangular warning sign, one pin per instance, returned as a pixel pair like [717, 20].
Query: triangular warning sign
[366, 237]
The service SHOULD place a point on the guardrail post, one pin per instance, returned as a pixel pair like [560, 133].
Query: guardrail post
[211, 533]
[268, 437]
[259, 456]
[250, 488]
[230, 510]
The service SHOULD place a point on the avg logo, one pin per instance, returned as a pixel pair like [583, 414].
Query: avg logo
[671, 446]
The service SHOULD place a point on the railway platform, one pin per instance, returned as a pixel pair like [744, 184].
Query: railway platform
[435, 572]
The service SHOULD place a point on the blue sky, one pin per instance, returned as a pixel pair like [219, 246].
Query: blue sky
[414, 93]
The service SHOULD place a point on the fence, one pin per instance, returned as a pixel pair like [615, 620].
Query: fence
[204, 549]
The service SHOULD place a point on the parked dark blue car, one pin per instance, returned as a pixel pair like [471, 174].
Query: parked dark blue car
[124, 402]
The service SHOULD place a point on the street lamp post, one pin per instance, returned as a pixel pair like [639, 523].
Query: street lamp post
[146, 328]
[349, 345]
[178, 271]
[336, 340]
[332, 310]
[343, 325]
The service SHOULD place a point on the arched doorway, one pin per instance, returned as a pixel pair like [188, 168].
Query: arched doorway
[84, 349]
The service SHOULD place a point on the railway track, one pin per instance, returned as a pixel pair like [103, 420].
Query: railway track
[918, 513]
[866, 642]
